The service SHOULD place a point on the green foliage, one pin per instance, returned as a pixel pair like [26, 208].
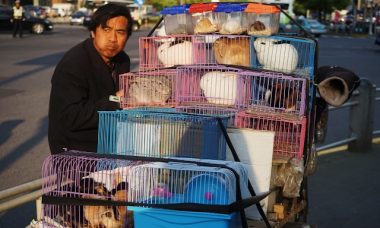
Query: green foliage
[326, 6]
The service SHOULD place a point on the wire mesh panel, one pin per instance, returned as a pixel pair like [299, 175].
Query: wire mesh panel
[289, 132]
[209, 85]
[166, 183]
[175, 50]
[148, 88]
[168, 51]
[271, 92]
[160, 134]
[70, 177]
[221, 112]
[284, 54]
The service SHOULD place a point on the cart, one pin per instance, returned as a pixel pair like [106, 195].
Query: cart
[261, 93]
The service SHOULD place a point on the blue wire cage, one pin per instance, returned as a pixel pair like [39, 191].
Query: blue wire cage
[284, 54]
[161, 134]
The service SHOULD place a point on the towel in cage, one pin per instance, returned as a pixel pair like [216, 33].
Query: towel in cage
[160, 134]
[209, 85]
[83, 189]
[168, 51]
[284, 54]
[148, 88]
[271, 92]
[290, 131]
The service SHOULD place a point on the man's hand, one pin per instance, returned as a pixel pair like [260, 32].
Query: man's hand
[120, 93]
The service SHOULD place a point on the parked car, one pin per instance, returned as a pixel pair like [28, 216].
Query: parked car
[33, 24]
[77, 18]
[311, 25]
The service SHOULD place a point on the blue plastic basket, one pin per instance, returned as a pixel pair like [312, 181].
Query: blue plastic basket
[162, 218]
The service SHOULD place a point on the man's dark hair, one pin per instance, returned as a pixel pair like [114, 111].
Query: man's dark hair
[109, 11]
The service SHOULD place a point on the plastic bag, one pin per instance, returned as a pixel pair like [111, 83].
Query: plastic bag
[289, 177]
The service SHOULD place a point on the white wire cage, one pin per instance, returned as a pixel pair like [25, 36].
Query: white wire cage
[160, 134]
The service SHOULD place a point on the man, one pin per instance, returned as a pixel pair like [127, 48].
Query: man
[85, 81]
[17, 18]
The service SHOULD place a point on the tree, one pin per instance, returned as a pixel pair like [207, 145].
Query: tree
[322, 7]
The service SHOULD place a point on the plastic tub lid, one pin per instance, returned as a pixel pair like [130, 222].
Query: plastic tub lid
[261, 8]
[202, 7]
[230, 7]
[180, 9]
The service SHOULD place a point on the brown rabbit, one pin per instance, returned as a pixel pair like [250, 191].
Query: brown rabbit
[232, 51]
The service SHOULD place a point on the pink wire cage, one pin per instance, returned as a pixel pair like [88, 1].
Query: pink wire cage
[72, 178]
[177, 50]
[155, 88]
[289, 132]
[211, 86]
[271, 92]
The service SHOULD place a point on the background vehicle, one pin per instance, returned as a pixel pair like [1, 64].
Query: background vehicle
[77, 18]
[311, 25]
[33, 24]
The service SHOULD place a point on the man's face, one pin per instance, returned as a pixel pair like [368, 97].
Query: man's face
[111, 39]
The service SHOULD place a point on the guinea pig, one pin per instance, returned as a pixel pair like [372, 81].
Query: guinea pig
[232, 51]
[275, 56]
[172, 54]
[149, 90]
[282, 96]
[219, 87]
[204, 25]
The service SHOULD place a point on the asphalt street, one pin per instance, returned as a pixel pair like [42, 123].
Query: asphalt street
[342, 192]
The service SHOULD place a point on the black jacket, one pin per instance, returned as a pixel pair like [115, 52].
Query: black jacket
[81, 86]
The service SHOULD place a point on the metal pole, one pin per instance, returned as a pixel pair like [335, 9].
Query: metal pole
[20, 200]
[361, 118]
[33, 185]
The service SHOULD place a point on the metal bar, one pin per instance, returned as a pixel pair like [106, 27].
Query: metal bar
[33, 185]
[337, 143]
[347, 104]
[4, 206]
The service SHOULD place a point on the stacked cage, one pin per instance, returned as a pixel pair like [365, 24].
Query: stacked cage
[88, 190]
[162, 133]
[188, 90]
[148, 88]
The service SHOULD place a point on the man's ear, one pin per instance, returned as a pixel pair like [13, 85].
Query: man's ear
[92, 34]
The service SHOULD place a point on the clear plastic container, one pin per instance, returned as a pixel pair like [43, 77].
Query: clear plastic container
[203, 19]
[229, 18]
[262, 20]
[177, 20]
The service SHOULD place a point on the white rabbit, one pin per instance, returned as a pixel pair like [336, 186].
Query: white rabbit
[177, 54]
[281, 57]
[219, 87]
